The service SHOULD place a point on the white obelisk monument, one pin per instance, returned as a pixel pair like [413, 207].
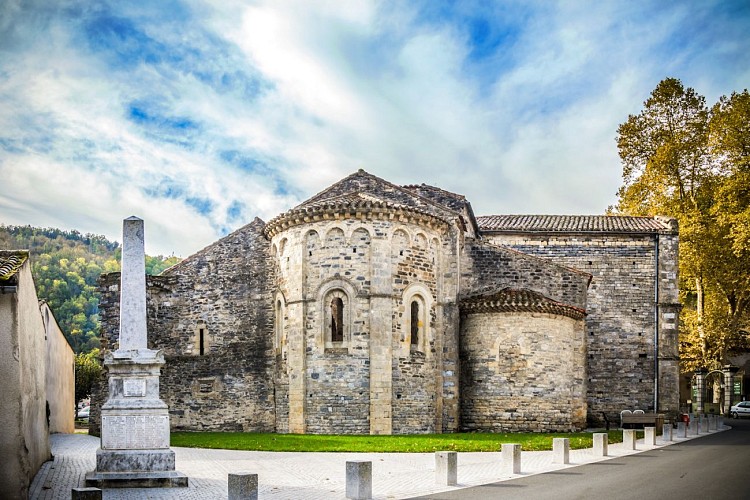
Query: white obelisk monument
[134, 451]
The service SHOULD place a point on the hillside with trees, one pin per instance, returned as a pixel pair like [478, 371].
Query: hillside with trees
[685, 160]
[66, 266]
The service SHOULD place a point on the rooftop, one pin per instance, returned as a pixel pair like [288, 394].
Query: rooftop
[10, 262]
[575, 223]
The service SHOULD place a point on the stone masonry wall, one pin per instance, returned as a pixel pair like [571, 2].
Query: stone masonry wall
[486, 266]
[374, 381]
[222, 293]
[522, 372]
[620, 325]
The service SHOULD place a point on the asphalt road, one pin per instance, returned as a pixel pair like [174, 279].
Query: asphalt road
[714, 466]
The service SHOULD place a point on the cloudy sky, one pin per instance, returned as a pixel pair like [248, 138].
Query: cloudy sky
[200, 115]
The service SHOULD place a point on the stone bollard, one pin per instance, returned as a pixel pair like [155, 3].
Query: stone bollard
[86, 494]
[693, 427]
[446, 468]
[682, 429]
[359, 480]
[649, 436]
[560, 450]
[601, 439]
[242, 486]
[628, 439]
[666, 432]
[711, 423]
[720, 422]
[700, 426]
[511, 458]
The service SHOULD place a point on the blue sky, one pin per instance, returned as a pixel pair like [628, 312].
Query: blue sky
[199, 116]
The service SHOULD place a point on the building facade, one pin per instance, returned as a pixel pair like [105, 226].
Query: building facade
[24, 433]
[383, 309]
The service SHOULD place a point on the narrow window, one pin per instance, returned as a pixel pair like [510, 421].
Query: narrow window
[202, 344]
[337, 320]
[279, 325]
[414, 323]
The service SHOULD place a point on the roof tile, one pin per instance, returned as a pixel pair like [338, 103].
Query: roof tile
[574, 223]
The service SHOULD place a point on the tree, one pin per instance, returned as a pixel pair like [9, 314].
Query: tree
[682, 160]
[88, 371]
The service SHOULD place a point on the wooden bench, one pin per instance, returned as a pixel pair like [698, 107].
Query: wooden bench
[639, 421]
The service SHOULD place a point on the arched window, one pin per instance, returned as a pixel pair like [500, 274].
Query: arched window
[335, 315]
[415, 323]
[337, 320]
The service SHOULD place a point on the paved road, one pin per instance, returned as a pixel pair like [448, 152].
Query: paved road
[715, 466]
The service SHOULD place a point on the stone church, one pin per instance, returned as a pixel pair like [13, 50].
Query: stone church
[373, 308]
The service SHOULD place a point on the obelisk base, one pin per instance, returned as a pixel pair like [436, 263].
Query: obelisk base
[134, 450]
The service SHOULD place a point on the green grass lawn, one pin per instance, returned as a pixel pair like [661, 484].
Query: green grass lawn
[415, 443]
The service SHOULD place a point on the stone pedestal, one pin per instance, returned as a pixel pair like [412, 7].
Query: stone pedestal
[134, 450]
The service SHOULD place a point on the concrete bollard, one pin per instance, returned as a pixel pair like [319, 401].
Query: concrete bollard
[682, 429]
[601, 439]
[666, 432]
[560, 450]
[511, 458]
[242, 486]
[693, 427]
[700, 427]
[712, 423]
[86, 494]
[359, 480]
[720, 422]
[628, 439]
[649, 436]
[446, 468]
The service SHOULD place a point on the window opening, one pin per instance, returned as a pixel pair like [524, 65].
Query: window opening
[337, 320]
[201, 342]
[414, 323]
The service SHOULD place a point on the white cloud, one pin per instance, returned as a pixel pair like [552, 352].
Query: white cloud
[280, 99]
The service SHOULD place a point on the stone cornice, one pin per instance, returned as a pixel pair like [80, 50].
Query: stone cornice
[351, 207]
[511, 300]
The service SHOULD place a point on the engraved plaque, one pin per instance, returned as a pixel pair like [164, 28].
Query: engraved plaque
[135, 432]
[134, 387]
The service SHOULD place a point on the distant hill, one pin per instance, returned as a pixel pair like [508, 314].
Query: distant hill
[66, 266]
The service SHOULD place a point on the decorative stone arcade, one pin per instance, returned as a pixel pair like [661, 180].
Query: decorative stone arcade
[134, 450]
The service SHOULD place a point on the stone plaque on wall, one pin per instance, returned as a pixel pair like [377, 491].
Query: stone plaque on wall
[130, 432]
[134, 387]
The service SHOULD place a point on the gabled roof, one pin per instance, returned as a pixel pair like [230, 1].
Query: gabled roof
[10, 262]
[576, 223]
[519, 300]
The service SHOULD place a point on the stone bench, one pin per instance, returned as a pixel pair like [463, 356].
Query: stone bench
[638, 421]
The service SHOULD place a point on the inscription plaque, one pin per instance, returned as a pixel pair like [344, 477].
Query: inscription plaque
[135, 432]
[134, 387]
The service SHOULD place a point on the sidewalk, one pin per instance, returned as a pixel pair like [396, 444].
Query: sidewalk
[299, 476]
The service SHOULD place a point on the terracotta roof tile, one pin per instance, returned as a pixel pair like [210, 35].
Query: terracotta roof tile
[519, 300]
[11, 262]
[575, 223]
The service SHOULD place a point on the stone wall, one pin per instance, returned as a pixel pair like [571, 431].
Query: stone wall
[212, 316]
[489, 267]
[60, 376]
[522, 372]
[620, 325]
[24, 438]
